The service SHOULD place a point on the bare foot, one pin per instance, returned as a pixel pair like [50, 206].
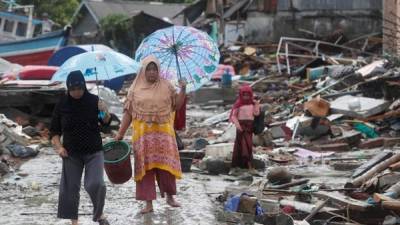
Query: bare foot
[252, 171]
[171, 201]
[74, 222]
[148, 208]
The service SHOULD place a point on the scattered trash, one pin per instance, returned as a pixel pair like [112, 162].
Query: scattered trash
[217, 166]
[243, 203]
[366, 130]
[3, 169]
[358, 107]
[326, 146]
[279, 175]
[21, 151]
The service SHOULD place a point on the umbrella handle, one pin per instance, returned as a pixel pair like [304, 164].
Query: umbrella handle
[97, 82]
[177, 65]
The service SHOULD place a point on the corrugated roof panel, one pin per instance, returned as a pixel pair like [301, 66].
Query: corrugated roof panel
[130, 8]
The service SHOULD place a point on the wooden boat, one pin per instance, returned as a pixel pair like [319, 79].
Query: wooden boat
[34, 51]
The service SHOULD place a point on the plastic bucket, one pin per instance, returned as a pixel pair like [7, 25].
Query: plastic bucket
[117, 161]
[186, 164]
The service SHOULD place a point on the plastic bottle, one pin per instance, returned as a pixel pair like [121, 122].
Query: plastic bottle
[226, 80]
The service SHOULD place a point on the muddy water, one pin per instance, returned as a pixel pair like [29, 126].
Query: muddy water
[29, 197]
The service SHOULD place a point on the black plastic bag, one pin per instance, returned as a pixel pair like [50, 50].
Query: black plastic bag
[258, 123]
[179, 142]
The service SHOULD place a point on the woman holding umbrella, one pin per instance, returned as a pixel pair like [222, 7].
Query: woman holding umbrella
[150, 107]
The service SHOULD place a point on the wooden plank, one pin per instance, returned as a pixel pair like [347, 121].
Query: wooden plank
[392, 205]
[371, 163]
[304, 207]
[384, 116]
[332, 61]
[395, 166]
[380, 198]
[344, 200]
[374, 170]
[25, 97]
[316, 210]
[395, 188]
[291, 184]
[249, 51]
[268, 191]
[260, 60]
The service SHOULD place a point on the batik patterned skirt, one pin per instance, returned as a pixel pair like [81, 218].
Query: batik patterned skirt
[154, 146]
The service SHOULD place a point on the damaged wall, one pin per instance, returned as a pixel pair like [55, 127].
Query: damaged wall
[354, 18]
[391, 34]
[260, 27]
[329, 4]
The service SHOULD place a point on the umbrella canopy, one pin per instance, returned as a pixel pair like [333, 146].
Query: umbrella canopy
[98, 65]
[184, 53]
[63, 54]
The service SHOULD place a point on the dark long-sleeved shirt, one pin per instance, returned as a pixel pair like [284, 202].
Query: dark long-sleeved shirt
[78, 124]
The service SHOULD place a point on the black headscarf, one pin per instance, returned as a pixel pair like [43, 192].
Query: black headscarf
[77, 119]
[76, 79]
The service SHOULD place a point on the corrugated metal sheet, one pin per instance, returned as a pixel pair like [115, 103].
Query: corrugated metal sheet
[303, 5]
[104, 8]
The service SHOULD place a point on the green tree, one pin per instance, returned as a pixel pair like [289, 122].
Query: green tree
[117, 32]
[169, 1]
[60, 11]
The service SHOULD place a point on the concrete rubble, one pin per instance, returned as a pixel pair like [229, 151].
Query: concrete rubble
[321, 124]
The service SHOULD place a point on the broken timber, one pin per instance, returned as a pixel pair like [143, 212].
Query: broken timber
[374, 170]
[291, 184]
[344, 200]
[371, 163]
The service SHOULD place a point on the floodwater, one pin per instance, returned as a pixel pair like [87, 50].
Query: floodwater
[29, 197]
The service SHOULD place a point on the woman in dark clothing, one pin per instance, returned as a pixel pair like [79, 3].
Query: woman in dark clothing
[76, 118]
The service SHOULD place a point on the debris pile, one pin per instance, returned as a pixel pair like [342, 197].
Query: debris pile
[329, 111]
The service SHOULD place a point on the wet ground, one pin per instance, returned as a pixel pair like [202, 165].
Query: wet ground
[29, 197]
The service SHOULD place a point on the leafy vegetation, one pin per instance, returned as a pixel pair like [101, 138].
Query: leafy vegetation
[60, 11]
[117, 32]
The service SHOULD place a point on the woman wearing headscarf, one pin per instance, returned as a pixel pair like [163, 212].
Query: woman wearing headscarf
[76, 119]
[149, 108]
[242, 115]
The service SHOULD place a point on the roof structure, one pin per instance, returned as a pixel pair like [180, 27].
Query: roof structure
[102, 8]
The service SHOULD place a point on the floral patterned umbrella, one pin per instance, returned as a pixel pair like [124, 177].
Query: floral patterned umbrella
[184, 53]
